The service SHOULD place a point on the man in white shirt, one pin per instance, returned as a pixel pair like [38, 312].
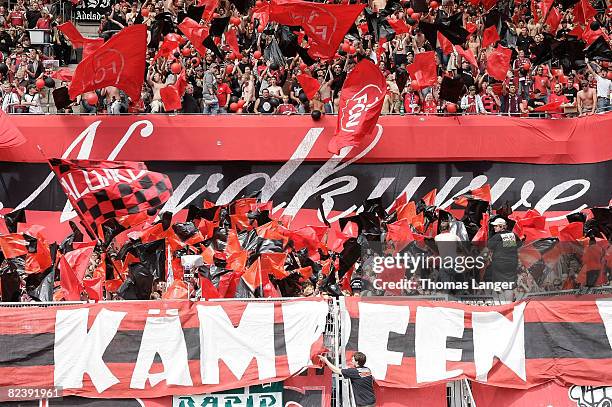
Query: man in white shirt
[604, 87]
[447, 249]
[472, 103]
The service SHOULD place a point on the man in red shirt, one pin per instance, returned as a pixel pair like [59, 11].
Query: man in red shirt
[223, 94]
[561, 99]
[17, 17]
[541, 81]
[286, 107]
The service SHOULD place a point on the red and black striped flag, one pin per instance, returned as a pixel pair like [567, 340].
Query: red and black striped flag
[102, 190]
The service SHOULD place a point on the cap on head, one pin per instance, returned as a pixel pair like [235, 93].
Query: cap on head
[498, 222]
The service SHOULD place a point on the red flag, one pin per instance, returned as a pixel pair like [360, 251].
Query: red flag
[482, 235]
[467, 54]
[70, 283]
[195, 33]
[423, 69]
[407, 211]
[309, 84]
[166, 49]
[262, 13]
[445, 44]
[399, 26]
[545, 5]
[471, 27]
[488, 4]
[178, 290]
[549, 107]
[483, 194]
[583, 12]
[553, 20]
[93, 287]
[63, 74]
[490, 36]
[398, 203]
[498, 62]
[77, 40]
[171, 95]
[120, 62]
[13, 245]
[430, 198]
[324, 24]
[399, 233]
[209, 9]
[274, 263]
[571, 232]
[208, 289]
[232, 40]
[361, 101]
[576, 32]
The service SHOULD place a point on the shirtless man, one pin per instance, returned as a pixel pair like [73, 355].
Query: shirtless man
[326, 92]
[110, 94]
[275, 90]
[155, 82]
[587, 99]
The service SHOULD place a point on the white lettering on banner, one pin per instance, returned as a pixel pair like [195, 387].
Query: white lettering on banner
[314, 185]
[303, 323]
[605, 311]
[164, 336]
[77, 351]
[252, 339]
[376, 321]
[496, 336]
[433, 326]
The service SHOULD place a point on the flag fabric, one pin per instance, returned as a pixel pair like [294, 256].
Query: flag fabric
[119, 62]
[467, 54]
[490, 36]
[361, 101]
[482, 194]
[498, 62]
[102, 190]
[209, 9]
[77, 40]
[232, 40]
[195, 33]
[172, 94]
[10, 136]
[70, 283]
[583, 12]
[324, 24]
[445, 44]
[399, 26]
[553, 20]
[166, 49]
[423, 69]
[309, 84]
[549, 107]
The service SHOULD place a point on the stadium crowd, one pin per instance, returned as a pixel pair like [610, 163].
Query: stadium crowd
[260, 79]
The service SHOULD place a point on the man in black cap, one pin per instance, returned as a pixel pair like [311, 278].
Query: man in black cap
[361, 379]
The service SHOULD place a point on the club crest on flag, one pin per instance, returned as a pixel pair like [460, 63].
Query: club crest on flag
[109, 64]
[355, 107]
[319, 22]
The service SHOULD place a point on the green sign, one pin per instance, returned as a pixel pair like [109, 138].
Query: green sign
[265, 395]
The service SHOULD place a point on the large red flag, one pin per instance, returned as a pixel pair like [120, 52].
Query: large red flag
[120, 62]
[423, 69]
[490, 36]
[309, 84]
[195, 33]
[209, 9]
[324, 24]
[553, 20]
[361, 101]
[498, 62]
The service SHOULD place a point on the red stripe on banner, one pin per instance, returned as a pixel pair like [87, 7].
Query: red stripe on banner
[255, 138]
[394, 397]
